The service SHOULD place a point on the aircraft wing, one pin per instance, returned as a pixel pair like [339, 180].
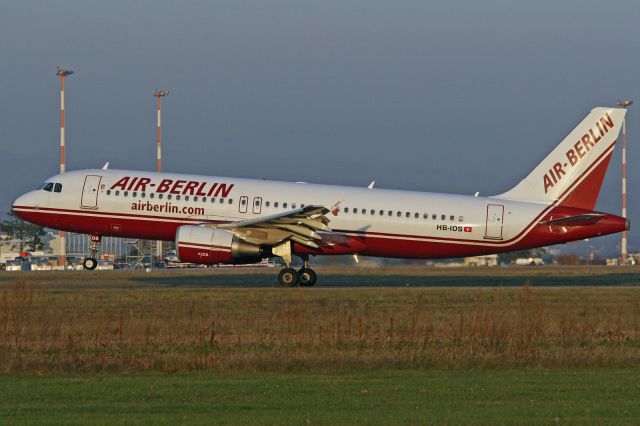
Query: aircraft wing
[298, 225]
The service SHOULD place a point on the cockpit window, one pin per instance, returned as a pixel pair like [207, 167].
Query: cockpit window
[48, 186]
[57, 187]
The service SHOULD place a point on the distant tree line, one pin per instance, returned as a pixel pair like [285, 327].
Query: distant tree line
[27, 235]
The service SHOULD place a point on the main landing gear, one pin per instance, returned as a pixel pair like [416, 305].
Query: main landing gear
[305, 277]
[91, 262]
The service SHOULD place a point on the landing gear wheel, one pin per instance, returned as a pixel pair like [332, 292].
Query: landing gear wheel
[90, 263]
[308, 277]
[288, 277]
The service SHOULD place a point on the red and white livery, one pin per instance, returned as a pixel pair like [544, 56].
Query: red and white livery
[226, 220]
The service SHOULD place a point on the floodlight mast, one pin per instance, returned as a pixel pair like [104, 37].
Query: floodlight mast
[624, 103]
[159, 94]
[62, 73]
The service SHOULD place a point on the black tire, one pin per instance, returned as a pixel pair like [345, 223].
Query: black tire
[89, 264]
[288, 277]
[308, 277]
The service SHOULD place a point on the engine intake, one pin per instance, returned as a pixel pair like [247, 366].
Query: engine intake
[199, 244]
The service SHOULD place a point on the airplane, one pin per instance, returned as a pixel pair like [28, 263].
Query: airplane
[220, 220]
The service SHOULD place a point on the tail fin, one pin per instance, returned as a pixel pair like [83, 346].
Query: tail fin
[573, 173]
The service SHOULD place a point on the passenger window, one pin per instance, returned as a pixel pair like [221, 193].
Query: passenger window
[461, 219]
[364, 211]
[443, 217]
[373, 212]
[416, 215]
[293, 206]
[221, 200]
[169, 196]
[125, 193]
[452, 218]
[399, 214]
[117, 193]
[143, 194]
[177, 197]
[284, 205]
[186, 198]
[108, 192]
[354, 210]
[425, 216]
[390, 213]
[268, 203]
[153, 195]
[48, 187]
[58, 187]
[194, 198]
[204, 199]
[381, 212]
[275, 204]
[407, 214]
[230, 200]
[213, 200]
[134, 194]
[346, 209]
[434, 216]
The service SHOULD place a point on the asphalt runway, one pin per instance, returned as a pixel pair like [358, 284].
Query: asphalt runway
[346, 279]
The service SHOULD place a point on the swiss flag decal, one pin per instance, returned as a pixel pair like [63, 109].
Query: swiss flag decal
[468, 229]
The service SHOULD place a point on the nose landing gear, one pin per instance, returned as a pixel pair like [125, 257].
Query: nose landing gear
[91, 262]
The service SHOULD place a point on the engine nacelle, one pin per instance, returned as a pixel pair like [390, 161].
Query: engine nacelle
[199, 244]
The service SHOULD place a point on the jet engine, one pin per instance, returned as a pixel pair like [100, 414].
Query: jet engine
[200, 244]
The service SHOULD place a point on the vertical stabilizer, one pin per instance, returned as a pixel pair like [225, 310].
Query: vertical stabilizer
[573, 173]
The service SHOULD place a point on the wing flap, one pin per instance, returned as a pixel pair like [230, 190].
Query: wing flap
[299, 225]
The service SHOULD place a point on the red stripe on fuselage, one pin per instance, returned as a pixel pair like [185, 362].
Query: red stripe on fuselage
[366, 243]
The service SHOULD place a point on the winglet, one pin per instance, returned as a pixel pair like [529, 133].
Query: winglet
[106, 166]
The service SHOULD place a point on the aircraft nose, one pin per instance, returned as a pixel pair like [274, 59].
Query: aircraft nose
[24, 201]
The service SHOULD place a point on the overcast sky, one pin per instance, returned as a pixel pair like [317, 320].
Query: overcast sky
[451, 96]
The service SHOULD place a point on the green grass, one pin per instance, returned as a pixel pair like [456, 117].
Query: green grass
[598, 396]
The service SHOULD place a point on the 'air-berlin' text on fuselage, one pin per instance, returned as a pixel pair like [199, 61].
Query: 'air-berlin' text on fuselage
[177, 187]
[579, 150]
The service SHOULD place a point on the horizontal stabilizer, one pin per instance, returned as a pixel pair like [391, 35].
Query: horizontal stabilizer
[578, 220]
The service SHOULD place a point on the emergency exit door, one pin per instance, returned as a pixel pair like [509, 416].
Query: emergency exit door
[495, 216]
[90, 192]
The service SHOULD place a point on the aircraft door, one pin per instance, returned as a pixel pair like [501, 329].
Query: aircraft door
[257, 205]
[90, 192]
[242, 207]
[495, 215]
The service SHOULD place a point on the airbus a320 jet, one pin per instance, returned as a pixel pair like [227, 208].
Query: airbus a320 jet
[217, 220]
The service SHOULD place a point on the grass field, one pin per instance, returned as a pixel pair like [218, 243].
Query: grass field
[389, 397]
[185, 346]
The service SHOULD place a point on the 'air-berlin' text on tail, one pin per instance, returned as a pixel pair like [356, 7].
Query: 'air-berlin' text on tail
[573, 173]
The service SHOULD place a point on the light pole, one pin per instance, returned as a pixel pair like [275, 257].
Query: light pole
[159, 94]
[624, 103]
[62, 73]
